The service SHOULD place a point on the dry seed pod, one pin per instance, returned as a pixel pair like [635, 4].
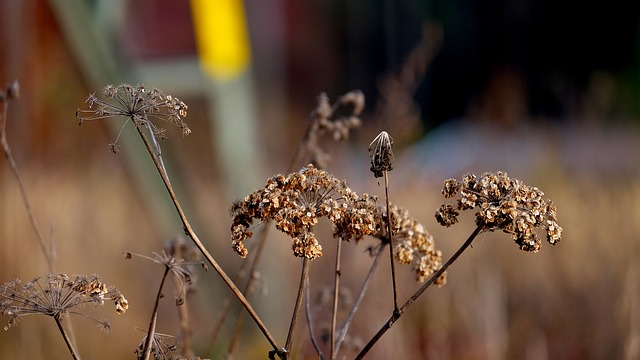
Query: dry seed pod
[381, 154]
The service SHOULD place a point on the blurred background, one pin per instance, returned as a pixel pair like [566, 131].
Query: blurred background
[547, 91]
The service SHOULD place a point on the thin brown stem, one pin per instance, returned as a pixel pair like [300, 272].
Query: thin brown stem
[23, 192]
[67, 340]
[336, 294]
[356, 304]
[396, 315]
[154, 318]
[191, 233]
[249, 285]
[304, 274]
[307, 310]
[390, 235]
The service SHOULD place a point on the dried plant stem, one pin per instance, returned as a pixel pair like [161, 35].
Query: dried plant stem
[67, 340]
[336, 294]
[304, 274]
[23, 192]
[191, 233]
[248, 267]
[396, 315]
[356, 304]
[390, 234]
[185, 329]
[154, 318]
[307, 311]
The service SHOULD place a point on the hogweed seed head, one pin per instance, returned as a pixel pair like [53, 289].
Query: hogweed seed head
[381, 154]
[295, 202]
[57, 294]
[139, 105]
[503, 204]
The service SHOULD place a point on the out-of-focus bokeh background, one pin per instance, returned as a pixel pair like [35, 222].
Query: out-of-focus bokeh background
[547, 91]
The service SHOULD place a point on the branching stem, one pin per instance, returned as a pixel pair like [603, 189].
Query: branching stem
[396, 315]
[191, 233]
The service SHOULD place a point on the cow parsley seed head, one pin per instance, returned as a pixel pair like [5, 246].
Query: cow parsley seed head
[502, 203]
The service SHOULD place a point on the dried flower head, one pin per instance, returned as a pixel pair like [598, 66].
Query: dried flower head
[325, 119]
[381, 154]
[163, 347]
[181, 269]
[295, 202]
[56, 294]
[139, 105]
[503, 204]
[413, 244]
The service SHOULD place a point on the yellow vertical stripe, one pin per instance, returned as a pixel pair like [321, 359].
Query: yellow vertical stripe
[221, 37]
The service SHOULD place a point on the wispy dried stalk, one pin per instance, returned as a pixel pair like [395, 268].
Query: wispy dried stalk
[141, 106]
[381, 163]
[12, 93]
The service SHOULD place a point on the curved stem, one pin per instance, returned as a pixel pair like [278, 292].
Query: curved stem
[154, 318]
[396, 314]
[356, 304]
[66, 338]
[307, 311]
[191, 233]
[296, 309]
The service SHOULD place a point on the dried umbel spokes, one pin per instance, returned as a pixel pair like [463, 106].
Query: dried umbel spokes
[381, 154]
[295, 202]
[181, 269]
[503, 204]
[140, 105]
[56, 294]
[163, 347]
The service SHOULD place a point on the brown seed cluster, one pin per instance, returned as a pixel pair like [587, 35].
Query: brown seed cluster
[413, 244]
[295, 202]
[140, 105]
[503, 204]
[56, 294]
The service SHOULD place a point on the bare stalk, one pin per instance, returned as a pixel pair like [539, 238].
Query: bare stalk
[356, 304]
[307, 311]
[336, 293]
[397, 314]
[4, 98]
[67, 340]
[191, 233]
[154, 318]
[304, 274]
[393, 265]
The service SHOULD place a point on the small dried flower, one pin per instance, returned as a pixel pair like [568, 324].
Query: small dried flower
[181, 269]
[503, 204]
[381, 154]
[295, 202]
[139, 105]
[163, 347]
[324, 119]
[57, 294]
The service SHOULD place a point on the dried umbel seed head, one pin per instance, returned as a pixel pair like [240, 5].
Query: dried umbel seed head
[57, 294]
[413, 244]
[503, 204]
[139, 105]
[381, 154]
[177, 261]
[295, 202]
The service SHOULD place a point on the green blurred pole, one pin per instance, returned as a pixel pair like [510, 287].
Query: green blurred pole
[225, 59]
